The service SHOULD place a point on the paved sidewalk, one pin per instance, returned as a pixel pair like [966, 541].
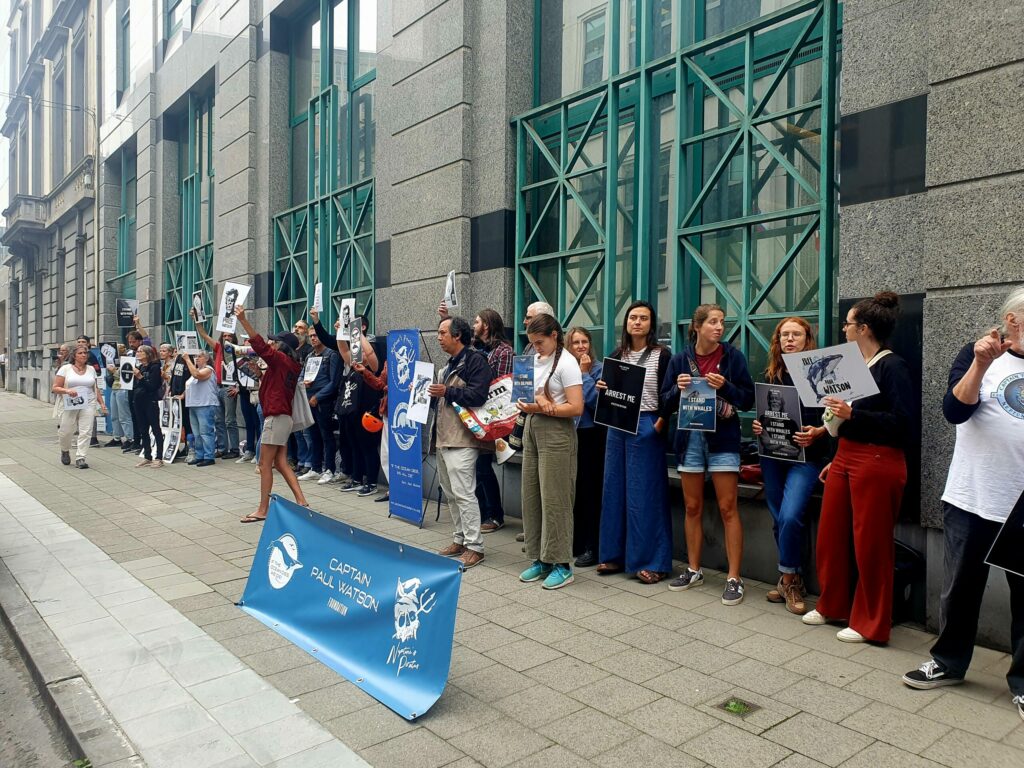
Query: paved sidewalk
[136, 571]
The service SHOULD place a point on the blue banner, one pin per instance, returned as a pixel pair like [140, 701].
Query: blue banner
[405, 459]
[379, 613]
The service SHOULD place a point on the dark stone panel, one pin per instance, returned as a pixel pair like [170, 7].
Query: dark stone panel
[262, 289]
[906, 342]
[382, 264]
[492, 240]
[882, 151]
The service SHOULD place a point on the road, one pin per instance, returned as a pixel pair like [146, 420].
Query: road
[28, 735]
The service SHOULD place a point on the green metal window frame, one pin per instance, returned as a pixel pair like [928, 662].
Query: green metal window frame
[123, 44]
[126, 253]
[191, 269]
[329, 238]
[594, 276]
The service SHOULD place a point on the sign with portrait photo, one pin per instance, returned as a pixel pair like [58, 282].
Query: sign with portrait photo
[312, 368]
[356, 339]
[318, 298]
[778, 411]
[197, 305]
[233, 295]
[186, 342]
[345, 316]
[451, 297]
[618, 406]
[419, 400]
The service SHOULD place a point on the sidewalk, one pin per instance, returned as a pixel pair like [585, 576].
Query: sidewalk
[135, 572]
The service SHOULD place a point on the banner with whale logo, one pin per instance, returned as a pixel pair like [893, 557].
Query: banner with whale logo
[405, 457]
[379, 613]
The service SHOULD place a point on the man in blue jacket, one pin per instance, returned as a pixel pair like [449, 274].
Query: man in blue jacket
[322, 391]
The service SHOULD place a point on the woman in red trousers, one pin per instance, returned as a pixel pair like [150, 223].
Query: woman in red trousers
[864, 483]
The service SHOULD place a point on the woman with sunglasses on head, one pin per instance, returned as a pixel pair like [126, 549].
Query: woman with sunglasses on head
[864, 483]
[636, 527]
[714, 453]
[788, 485]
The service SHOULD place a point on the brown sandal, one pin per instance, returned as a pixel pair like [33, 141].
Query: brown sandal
[607, 569]
[650, 577]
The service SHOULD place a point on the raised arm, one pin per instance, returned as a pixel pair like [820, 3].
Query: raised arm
[201, 330]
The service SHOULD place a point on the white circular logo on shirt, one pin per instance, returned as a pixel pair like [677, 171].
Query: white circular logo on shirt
[1010, 395]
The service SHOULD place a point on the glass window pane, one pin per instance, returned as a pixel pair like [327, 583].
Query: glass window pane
[574, 43]
[629, 45]
[339, 41]
[723, 15]
[302, 66]
[363, 141]
[300, 168]
[797, 288]
[663, 193]
[344, 149]
[626, 229]
[315, 53]
[366, 61]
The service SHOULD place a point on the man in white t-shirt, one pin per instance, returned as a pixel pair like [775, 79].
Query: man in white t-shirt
[985, 400]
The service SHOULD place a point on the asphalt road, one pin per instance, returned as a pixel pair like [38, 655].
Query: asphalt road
[28, 736]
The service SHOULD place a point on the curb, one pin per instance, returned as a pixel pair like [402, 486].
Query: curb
[88, 728]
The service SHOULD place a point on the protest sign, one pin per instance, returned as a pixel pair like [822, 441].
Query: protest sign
[778, 411]
[405, 460]
[1007, 550]
[618, 406]
[127, 310]
[186, 342]
[379, 613]
[233, 295]
[451, 298]
[419, 400]
[697, 406]
[318, 297]
[197, 305]
[838, 371]
[522, 379]
[355, 332]
[126, 371]
[313, 363]
[348, 311]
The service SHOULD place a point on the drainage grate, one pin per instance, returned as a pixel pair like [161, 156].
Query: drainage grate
[738, 707]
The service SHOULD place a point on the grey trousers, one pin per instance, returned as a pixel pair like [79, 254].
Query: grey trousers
[549, 487]
[457, 470]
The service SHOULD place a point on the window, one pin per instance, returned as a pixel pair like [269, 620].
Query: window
[14, 61]
[176, 11]
[24, 183]
[38, 149]
[12, 160]
[123, 46]
[126, 250]
[78, 105]
[593, 51]
[58, 120]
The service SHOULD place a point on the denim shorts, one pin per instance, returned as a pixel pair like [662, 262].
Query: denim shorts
[698, 459]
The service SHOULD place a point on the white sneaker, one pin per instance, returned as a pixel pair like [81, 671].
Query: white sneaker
[245, 458]
[850, 635]
[325, 478]
[339, 478]
[311, 475]
[813, 618]
[254, 459]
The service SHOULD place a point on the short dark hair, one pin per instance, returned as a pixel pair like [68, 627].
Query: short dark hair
[135, 335]
[459, 329]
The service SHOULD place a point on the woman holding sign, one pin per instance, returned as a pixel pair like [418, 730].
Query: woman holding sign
[76, 383]
[985, 400]
[549, 455]
[788, 484]
[864, 483]
[708, 362]
[636, 527]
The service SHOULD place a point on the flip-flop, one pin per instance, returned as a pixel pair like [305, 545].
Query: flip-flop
[252, 519]
[607, 569]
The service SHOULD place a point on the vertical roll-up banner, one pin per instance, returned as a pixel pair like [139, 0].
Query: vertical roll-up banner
[379, 613]
[405, 459]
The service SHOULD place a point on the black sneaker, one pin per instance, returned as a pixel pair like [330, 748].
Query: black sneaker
[113, 443]
[230, 455]
[65, 458]
[350, 485]
[94, 443]
[80, 463]
[128, 448]
[386, 496]
[733, 592]
[367, 490]
[586, 560]
[686, 580]
[205, 463]
[930, 675]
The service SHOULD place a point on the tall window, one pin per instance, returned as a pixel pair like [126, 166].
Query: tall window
[123, 46]
[191, 269]
[38, 148]
[78, 102]
[126, 251]
[175, 12]
[593, 50]
[58, 120]
[328, 234]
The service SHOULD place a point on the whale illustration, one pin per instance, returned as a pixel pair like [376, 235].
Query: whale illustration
[820, 370]
[289, 561]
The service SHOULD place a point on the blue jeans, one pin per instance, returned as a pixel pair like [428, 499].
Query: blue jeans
[787, 488]
[226, 417]
[203, 430]
[121, 414]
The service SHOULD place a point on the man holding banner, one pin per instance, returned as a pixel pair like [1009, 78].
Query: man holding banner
[463, 381]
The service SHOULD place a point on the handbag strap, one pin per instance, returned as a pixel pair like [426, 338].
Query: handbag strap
[878, 356]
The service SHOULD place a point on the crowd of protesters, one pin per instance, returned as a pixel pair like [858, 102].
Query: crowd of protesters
[596, 496]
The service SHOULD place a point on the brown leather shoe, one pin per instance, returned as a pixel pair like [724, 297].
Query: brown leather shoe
[794, 598]
[776, 595]
[470, 558]
[452, 550]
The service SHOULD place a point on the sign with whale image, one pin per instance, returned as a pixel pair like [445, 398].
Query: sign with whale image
[839, 371]
[378, 612]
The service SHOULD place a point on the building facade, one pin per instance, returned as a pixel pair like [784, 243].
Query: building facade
[583, 152]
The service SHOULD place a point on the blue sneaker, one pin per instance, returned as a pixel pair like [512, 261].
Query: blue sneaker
[535, 572]
[560, 576]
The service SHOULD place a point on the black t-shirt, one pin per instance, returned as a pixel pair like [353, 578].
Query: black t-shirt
[179, 375]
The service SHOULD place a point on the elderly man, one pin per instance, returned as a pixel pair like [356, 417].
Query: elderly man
[463, 381]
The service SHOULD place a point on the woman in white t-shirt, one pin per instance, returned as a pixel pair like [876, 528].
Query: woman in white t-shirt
[76, 384]
[201, 402]
[549, 455]
[985, 400]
